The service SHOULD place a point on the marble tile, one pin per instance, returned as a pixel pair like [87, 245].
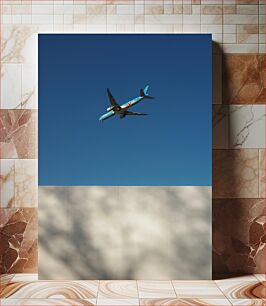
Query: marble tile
[242, 279]
[262, 170]
[118, 289]
[18, 44]
[243, 77]
[220, 125]
[10, 85]
[197, 289]
[48, 302]
[18, 133]
[155, 289]
[248, 302]
[243, 290]
[238, 234]
[117, 302]
[184, 302]
[5, 279]
[18, 232]
[28, 90]
[24, 277]
[216, 76]
[246, 126]
[51, 290]
[260, 277]
[26, 183]
[7, 179]
[235, 173]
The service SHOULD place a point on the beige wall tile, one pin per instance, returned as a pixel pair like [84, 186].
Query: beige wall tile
[229, 38]
[212, 9]
[168, 9]
[6, 9]
[163, 19]
[211, 19]
[42, 9]
[247, 9]
[96, 9]
[247, 1]
[42, 19]
[139, 9]
[209, 28]
[97, 19]
[247, 29]
[68, 19]
[111, 9]
[191, 19]
[154, 9]
[246, 38]
[240, 48]
[79, 9]
[191, 28]
[158, 28]
[7, 19]
[178, 9]
[120, 19]
[58, 19]
[187, 9]
[240, 19]
[229, 9]
[125, 9]
[262, 9]
[21, 9]
[77, 19]
[195, 9]
[229, 28]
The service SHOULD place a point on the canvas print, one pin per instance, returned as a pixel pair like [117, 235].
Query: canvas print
[124, 156]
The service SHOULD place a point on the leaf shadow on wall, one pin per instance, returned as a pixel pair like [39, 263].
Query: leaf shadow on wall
[124, 232]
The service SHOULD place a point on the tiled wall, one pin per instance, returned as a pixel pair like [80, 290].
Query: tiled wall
[238, 29]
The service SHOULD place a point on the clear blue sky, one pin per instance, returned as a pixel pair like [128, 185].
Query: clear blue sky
[170, 146]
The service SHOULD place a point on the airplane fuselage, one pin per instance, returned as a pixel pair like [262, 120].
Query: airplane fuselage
[120, 110]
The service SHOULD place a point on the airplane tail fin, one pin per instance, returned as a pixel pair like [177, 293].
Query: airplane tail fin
[144, 93]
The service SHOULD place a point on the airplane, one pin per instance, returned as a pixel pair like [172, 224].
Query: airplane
[122, 110]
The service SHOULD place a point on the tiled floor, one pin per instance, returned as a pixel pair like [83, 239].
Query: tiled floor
[25, 289]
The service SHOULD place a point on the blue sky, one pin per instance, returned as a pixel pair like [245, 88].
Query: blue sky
[170, 146]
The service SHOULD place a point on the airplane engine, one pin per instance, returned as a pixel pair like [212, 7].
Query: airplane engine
[115, 108]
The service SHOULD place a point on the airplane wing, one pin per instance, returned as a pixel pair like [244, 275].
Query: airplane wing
[111, 98]
[134, 114]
